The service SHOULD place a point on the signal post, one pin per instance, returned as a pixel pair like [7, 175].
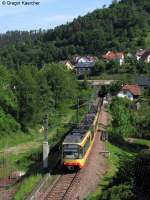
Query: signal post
[45, 143]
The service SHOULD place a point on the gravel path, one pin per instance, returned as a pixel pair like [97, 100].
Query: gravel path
[95, 167]
[6, 194]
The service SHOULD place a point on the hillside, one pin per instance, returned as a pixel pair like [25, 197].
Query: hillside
[123, 26]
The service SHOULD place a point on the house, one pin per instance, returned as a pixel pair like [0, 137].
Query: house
[110, 55]
[139, 53]
[143, 55]
[68, 64]
[146, 56]
[131, 92]
[84, 64]
[143, 81]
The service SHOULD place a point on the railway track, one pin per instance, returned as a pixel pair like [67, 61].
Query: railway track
[65, 185]
[62, 188]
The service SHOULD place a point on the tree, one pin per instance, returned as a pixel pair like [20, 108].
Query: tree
[113, 66]
[121, 117]
[115, 87]
[60, 81]
[8, 104]
[26, 89]
[99, 67]
[120, 192]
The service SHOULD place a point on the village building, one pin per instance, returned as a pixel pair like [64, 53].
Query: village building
[84, 65]
[146, 56]
[139, 53]
[68, 64]
[143, 55]
[118, 56]
[131, 92]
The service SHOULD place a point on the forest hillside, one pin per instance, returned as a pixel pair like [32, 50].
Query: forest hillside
[123, 26]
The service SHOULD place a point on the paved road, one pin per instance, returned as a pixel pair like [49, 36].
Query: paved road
[99, 82]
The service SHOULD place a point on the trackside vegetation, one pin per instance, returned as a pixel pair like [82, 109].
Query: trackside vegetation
[129, 161]
[27, 94]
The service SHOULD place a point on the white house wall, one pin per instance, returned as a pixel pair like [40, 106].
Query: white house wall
[126, 94]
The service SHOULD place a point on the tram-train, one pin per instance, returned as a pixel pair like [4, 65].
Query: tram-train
[78, 143]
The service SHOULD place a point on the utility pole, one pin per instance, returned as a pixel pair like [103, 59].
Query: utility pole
[45, 143]
[77, 112]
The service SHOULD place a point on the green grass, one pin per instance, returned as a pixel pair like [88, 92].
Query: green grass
[34, 134]
[118, 76]
[142, 142]
[113, 163]
[27, 186]
[18, 149]
[14, 139]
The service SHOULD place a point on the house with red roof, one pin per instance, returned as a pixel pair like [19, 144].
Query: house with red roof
[110, 55]
[131, 92]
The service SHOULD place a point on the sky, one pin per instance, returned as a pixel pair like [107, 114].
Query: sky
[48, 14]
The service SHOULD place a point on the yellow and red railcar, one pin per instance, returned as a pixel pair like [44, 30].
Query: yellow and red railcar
[77, 145]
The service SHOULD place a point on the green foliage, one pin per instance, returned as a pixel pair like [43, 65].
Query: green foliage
[132, 179]
[60, 81]
[85, 82]
[124, 26]
[142, 119]
[113, 66]
[120, 192]
[27, 93]
[142, 173]
[121, 117]
[8, 105]
[115, 87]
[7, 124]
[99, 67]
[112, 89]
[26, 89]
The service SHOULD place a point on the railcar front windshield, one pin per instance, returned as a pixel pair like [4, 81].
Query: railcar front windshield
[70, 151]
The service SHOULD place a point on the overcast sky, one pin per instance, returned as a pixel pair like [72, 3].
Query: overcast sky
[48, 14]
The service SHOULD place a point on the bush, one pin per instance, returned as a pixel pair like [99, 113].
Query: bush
[120, 192]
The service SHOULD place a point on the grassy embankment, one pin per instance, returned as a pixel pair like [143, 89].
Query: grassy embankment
[24, 153]
[129, 149]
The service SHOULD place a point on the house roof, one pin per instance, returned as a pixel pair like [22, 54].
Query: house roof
[143, 81]
[77, 59]
[85, 62]
[110, 55]
[134, 89]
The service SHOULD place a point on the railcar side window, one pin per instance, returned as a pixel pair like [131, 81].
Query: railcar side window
[92, 132]
[86, 146]
[81, 152]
